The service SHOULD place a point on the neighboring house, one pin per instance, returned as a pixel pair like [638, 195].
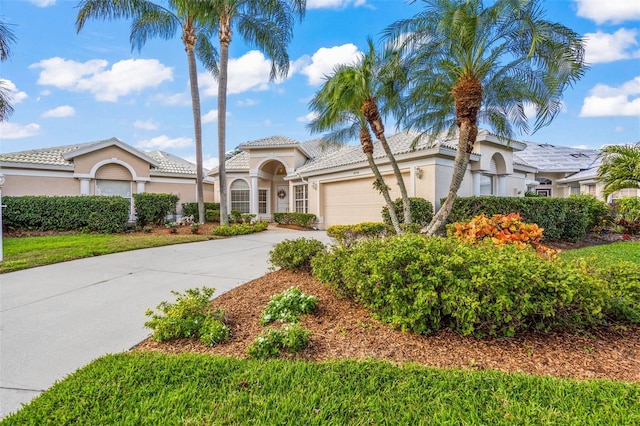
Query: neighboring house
[563, 171]
[107, 167]
[334, 182]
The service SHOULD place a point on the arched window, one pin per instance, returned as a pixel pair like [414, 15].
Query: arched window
[240, 196]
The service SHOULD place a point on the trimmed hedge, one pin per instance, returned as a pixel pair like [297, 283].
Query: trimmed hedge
[212, 216]
[41, 213]
[422, 284]
[301, 219]
[191, 209]
[154, 208]
[566, 219]
[347, 235]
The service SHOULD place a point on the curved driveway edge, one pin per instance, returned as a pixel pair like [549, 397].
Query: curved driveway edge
[55, 319]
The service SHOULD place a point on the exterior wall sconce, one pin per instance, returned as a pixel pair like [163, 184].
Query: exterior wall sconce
[418, 172]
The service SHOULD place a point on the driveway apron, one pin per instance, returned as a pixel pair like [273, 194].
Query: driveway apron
[55, 319]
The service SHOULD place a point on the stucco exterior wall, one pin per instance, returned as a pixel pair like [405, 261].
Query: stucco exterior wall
[186, 191]
[85, 163]
[20, 185]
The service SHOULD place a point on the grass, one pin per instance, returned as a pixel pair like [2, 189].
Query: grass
[29, 252]
[152, 388]
[607, 253]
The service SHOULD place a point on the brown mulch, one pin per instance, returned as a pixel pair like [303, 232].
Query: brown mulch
[342, 329]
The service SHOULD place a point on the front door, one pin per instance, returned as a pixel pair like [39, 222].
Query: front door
[282, 203]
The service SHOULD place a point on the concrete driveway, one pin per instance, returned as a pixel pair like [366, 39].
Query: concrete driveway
[55, 319]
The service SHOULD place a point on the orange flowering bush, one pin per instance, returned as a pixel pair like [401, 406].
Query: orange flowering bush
[502, 229]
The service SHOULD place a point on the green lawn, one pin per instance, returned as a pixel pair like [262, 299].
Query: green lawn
[623, 250]
[28, 252]
[158, 389]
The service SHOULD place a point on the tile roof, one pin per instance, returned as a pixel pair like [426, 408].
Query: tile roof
[270, 142]
[55, 157]
[545, 157]
[239, 161]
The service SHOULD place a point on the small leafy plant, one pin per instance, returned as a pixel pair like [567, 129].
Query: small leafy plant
[189, 316]
[291, 338]
[288, 306]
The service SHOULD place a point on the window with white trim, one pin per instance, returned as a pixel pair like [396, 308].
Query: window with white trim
[111, 188]
[486, 184]
[240, 196]
[301, 198]
[262, 201]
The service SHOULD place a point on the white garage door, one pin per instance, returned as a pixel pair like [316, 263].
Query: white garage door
[350, 202]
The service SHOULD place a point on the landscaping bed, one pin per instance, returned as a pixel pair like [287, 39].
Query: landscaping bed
[342, 329]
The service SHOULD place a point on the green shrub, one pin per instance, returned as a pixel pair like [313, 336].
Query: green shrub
[191, 209]
[304, 220]
[185, 317]
[214, 331]
[266, 345]
[598, 211]
[566, 219]
[421, 285]
[347, 235]
[622, 302]
[212, 215]
[240, 229]
[292, 338]
[295, 254]
[627, 214]
[40, 213]
[154, 208]
[288, 306]
[421, 211]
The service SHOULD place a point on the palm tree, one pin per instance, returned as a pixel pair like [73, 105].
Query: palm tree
[620, 167]
[192, 18]
[378, 79]
[7, 37]
[266, 24]
[473, 63]
[339, 108]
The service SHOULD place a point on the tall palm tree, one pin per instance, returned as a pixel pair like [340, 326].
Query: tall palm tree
[339, 108]
[7, 37]
[192, 18]
[378, 80]
[473, 63]
[620, 167]
[266, 24]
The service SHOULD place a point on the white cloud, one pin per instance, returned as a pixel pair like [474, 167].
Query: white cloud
[607, 101]
[615, 11]
[334, 4]
[604, 47]
[325, 60]
[43, 3]
[247, 102]
[267, 123]
[619, 129]
[124, 77]
[580, 146]
[210, 117]
[59, 112]
[145, 124]
[16, 95]
[307, 118]
[251, 71]
[18, 131]
[179, 99]
[164, 142]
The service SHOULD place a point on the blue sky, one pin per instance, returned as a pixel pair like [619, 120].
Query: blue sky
[73, 88]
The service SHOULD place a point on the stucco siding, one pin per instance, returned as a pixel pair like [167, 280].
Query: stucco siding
[85, 163]
[34, 185]
[186, 192]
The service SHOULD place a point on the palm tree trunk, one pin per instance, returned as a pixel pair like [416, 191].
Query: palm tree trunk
[466, 139]
[367, 148]
[372, 114]
[225, 39]
[189, 41]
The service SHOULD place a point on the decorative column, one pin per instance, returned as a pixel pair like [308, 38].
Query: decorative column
[476, 182]
[85, 186]
[253, 205]
[501, 185]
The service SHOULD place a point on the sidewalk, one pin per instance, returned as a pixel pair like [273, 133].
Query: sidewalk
[55, 319]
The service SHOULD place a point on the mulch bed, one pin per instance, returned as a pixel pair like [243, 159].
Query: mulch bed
[342, 329]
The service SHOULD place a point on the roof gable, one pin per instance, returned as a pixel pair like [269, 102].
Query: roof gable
[96, 146]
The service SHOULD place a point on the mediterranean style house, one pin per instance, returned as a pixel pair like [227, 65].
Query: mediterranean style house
[332, 181]
[107, 167]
